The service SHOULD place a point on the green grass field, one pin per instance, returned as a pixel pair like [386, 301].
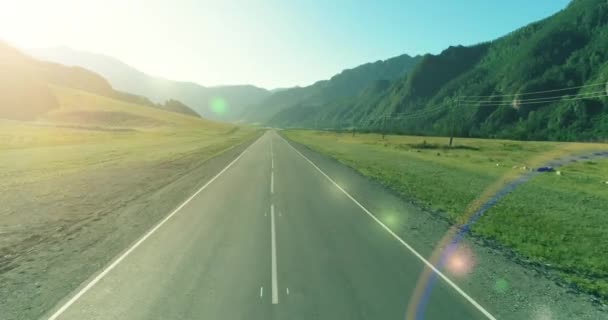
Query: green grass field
[556, 221]
[89, 135]
[83, 181]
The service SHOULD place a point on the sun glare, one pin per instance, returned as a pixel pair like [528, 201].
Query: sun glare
[30, 22]
[39, 23]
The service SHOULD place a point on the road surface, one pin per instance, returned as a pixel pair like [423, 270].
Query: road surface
[270, 237]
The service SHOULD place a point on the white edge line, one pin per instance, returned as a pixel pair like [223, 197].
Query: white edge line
[410, 248]
[261, 292]
[141, 240]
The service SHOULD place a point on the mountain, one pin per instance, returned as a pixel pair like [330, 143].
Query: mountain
[338, 112]
[566, 50]
[26, 86]
[346, 84]
[22, 95]
[179, 107]
[233, 100]
[547, 80]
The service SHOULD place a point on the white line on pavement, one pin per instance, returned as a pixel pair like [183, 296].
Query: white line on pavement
[271, 182]
[113, 265]
[261, 292]
[271, 152]
[271, 155]
[273, 248]
[405, 244]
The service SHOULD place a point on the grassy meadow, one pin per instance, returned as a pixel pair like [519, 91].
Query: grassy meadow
[80, 183]
[51, 163]
[554, 221]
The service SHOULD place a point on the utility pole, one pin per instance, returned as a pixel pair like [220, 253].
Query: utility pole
[384, 126]
[454, 110]
[353, 128]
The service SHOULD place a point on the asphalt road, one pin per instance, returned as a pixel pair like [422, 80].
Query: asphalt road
[271, 237]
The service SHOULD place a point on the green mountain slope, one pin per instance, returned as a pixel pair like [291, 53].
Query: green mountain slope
[235, 99]
[346, 84]
[567, 50]
[488, 90]
[345, 112]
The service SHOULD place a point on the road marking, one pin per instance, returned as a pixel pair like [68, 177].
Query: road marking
[273, 248]
[113, 265]
[261, 292]
[271, 155]
[405, 244]
[287, 291]
[271, 182]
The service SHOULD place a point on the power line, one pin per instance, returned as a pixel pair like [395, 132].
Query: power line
[417, 115]
[537, 92]
[427, 110]
[538, 99]
[519, 103]
[378, 121]
[471, 101]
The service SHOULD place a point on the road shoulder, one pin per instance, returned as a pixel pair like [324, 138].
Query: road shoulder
[56, 265]
[529, 293]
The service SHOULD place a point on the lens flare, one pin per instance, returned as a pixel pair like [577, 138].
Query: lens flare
[218, 106]
[542, 313]
[460, 261]
[501, 286]
[390, 219]
[515, 104]
[455, 261]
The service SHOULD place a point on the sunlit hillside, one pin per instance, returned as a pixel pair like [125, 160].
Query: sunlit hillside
[28, 87]
[82, 167]
[77, 107]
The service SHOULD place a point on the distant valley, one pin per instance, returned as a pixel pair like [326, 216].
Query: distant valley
[223, 103]
[544, 81]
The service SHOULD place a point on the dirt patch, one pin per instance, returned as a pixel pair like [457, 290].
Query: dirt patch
[434, 146]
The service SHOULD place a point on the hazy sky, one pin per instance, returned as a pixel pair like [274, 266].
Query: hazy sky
[269, 43]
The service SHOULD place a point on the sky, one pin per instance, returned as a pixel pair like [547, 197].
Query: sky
[268, 43]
